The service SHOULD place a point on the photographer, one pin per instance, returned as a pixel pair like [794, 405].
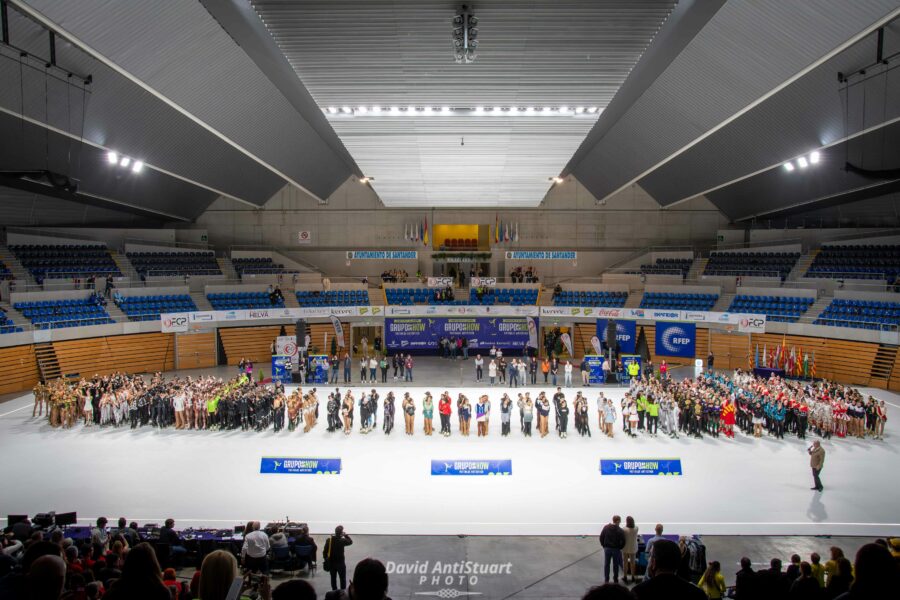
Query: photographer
[333, 555]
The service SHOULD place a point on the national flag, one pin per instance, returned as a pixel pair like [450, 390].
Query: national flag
[812, 368]
[425, 237]
[766, 355]
[506, 233]
[756, 356]
[783, 355]
[516, 236]
[496, 228]
[406, 232]
[806, 365]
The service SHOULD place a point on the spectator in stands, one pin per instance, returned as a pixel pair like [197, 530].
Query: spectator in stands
[840, 580]
[294, 589]
[609, 591]
[335, 559]
[773, 582]
[370, 582]
[141, 577]
[46, 578]
[805, 587]
[818, 569]
[664, 584]
[217, 573]
[99, 534]
[167, 535]
[612, 539]
[712, 582]
[746, 582]
[255, 550]
[629, 551]
[877, 574]
[793, 569]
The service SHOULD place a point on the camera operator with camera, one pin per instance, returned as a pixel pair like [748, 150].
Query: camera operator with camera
[333, 557]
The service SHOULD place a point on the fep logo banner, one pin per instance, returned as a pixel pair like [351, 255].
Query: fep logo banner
[626, 334]
[640, 466]
[174, 322]
[676, 339]
[471, 467]
[292, 465]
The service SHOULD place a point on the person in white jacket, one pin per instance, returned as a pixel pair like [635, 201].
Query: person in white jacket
[568, 372]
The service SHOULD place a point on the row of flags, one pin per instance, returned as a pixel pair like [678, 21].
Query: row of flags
[416, 232]
[505, 232]
[794, 362]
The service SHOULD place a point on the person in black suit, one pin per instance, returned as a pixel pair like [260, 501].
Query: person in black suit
[664, 584]
[773, 582]
[745, 582]
[334, 554]
[167, 535]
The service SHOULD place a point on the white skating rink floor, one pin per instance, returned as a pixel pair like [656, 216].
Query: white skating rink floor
[204, 478]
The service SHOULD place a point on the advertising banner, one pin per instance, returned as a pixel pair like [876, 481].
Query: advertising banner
[676, 339]
[461, 310]
[292, 465]
[640, 466]
[626, 334]
[532, 332]
[441, 282]
[483, 282]
[338, 330]
[304, 237]
[382, 255]
[174, 322]
[421, 333]
[471, 467]
[286, 345]
[595, 366]
[541, 255]
[281, 372]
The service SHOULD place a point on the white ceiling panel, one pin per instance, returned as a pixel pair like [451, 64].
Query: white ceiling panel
[531, 53]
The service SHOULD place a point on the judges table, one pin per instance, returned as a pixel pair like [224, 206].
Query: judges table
[767, 372]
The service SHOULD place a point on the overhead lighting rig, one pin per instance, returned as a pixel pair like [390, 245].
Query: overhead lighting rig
[125, 162]
[803, 162]
[464, 35]
[380, 111]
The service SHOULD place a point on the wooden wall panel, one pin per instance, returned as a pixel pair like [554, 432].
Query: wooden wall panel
[841, 360]
[894, 381]
[196, 350]
[19, 368]
[731, 350]
[252, 343]
[139, 353]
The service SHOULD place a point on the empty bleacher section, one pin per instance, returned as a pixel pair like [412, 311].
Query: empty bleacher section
[503, 295]
[6, 324]
[148, 308]
[407, 296]
[679, 300]
[174, 264]
[787, 309]
[242, 300]
[861, 314]
[590, 298]
[857, 262]
[68, 312]
[667, 266]
[65, 261]
[751, 264]
[259, 265]
[333, 298]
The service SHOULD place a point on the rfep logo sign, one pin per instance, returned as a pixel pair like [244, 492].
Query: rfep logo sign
[174, 322]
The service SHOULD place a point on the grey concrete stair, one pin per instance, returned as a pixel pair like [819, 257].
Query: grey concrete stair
[18, 270]
[723, 303]
[227, 267]
[634, 300]
[201, 301]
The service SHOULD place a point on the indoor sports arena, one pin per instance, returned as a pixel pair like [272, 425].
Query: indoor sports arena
[263, 264]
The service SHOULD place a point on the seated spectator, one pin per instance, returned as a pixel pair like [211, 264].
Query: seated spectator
[217, 573]
[294, 589]
[141, 577]
[167, 535]
[877, 574]
[840, 580]
[46, 578]
[806, 587]
[609, 591]
[278, 539]
[663, 582]
[369, 582]
[175, 586]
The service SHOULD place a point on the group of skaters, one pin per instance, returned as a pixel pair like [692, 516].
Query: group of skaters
[710, 404]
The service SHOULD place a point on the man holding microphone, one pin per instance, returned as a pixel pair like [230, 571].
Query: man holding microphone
[816, 461]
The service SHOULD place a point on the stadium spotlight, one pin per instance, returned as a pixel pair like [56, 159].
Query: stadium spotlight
[814, 157]
[376, 109]
[365, 180]
[113, 158]
[592, 109]
[138, 166]
[802, 162]
[788, 166]
[362, 110]
[332, 110]
[555, 179]
[445, 110]
[579, 110]
[346, 110]
[125, 161]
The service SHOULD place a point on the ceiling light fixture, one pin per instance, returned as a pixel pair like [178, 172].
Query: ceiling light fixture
[814, 157]
[463, 34]
[802, 162]
[555, 179]
[365, 180]
[788, 166]
[376, 109]
[138, 166]
[362, 110]
[592, 109]
[346, 110]
[579, 110]
[113, 158]
[125, 161]
[445, 110]
[332, 110]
